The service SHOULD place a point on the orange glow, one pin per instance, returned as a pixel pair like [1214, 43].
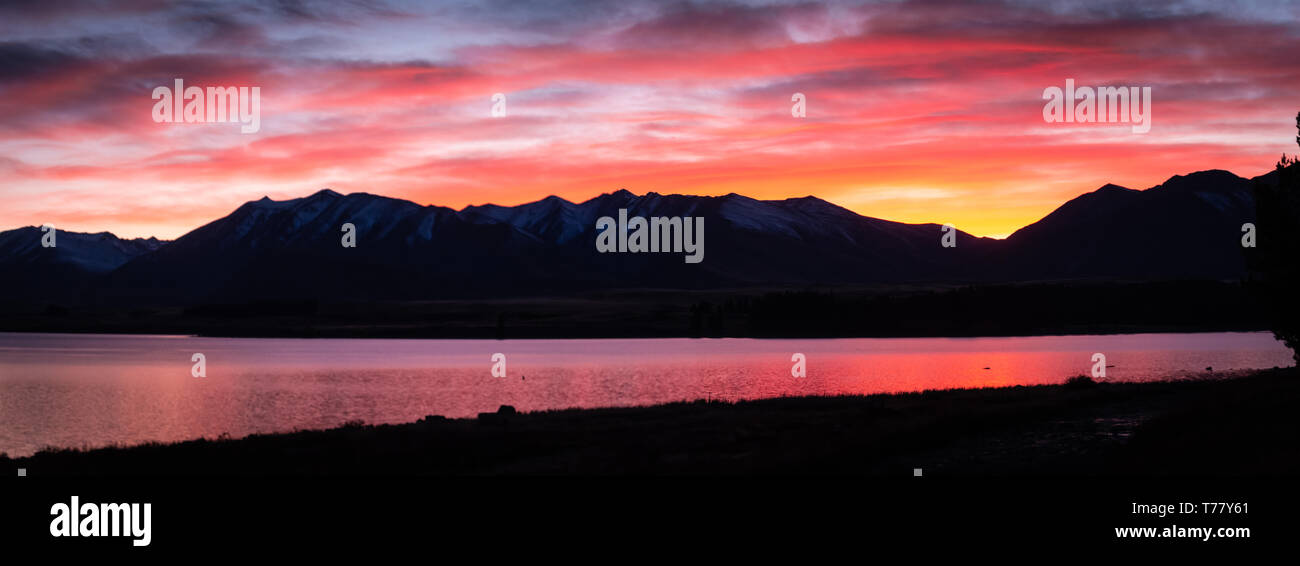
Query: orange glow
[903, 122]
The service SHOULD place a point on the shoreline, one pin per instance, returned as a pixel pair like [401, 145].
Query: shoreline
[910, 311]
[1242, 426]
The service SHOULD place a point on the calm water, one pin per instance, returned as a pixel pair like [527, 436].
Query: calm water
[92, 390]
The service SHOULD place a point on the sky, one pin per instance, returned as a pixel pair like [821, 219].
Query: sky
[916, 111]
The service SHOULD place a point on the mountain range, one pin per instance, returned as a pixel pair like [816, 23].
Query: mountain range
[1188, 227]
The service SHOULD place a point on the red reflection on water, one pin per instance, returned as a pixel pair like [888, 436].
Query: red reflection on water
[87, 390]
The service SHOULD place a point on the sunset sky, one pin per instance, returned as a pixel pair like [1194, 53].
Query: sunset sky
[916, 111]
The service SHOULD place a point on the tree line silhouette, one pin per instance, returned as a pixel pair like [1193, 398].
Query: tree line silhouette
[1275, 261]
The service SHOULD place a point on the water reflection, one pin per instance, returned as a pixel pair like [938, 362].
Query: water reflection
[94, 390]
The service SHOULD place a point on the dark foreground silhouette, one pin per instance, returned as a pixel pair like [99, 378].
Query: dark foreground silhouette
[1243, 426]
[1022, 309]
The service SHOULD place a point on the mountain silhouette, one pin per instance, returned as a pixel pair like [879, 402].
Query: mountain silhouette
[1187, 227]
[63, 273]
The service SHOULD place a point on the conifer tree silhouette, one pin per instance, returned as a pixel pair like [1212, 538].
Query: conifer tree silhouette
[1275, 261]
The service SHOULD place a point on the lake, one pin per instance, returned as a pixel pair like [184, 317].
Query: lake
[85, 390]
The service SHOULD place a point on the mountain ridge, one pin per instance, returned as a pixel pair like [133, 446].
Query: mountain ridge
[1186, 227]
